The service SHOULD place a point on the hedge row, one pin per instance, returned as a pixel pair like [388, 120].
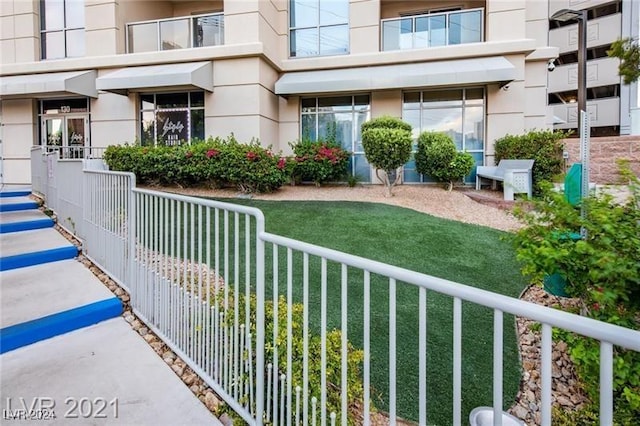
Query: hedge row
[219, 162]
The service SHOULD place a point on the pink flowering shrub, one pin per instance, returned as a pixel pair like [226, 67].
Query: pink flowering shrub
[319, 162]
[215, 162]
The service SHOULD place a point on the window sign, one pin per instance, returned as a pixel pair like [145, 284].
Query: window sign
[171, 118]
[172, 127]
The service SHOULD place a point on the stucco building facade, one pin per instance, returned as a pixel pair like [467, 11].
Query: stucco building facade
[101, 72]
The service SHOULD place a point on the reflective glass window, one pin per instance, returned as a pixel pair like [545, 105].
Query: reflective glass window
[174, 34]
[74, 13]
[75, 43]
[143, 37]
[62, 32]
[318, 27]
[171, 118]
[338, 119]
[459, 113]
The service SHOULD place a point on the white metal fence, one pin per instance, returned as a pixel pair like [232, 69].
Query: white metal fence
[264, 319]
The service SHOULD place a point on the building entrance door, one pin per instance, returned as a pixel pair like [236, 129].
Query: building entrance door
[67, 133]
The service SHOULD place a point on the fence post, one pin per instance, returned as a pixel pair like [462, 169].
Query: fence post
[260, 387]
[131, 235]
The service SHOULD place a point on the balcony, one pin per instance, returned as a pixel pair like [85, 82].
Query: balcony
[176, 33]
[431, 30]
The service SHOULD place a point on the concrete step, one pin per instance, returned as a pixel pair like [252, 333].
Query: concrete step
[12, 204]
[24, 220]
[108, 365]
[15, 192]
[34, 247]
[43, 301]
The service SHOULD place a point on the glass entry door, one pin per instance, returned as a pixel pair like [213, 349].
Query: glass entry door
[68, 132]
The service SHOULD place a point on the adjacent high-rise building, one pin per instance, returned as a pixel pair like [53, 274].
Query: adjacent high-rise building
[99, 72]
[609, 101]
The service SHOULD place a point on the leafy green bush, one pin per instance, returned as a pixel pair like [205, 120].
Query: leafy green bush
[252, 168]
[215, 162]
[438, 157]
[355, 357]
[387, 146]
[602, 269]
[319, 162]
[545, 147]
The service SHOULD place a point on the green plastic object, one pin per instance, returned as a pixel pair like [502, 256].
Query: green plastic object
[555, 284]
[573, 184]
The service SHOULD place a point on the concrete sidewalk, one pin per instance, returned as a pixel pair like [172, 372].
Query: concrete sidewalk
[67, 355]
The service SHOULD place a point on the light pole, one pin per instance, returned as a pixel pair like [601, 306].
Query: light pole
[584, 128]
[566, 15]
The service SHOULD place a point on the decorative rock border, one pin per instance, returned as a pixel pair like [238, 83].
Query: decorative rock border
[566, 391]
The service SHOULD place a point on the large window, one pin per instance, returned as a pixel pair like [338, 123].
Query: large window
[176, 33]
[171, 118]
[456, 112]
[432, 29]
[318, 27]
[339, 119]
[62, 28]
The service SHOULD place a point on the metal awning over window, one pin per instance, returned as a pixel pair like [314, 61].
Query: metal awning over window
[71, 83]
[180, 76]
[495, 69]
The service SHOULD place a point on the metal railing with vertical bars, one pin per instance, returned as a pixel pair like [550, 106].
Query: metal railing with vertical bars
[264, 319]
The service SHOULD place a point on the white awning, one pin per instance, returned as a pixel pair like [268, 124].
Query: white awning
[49, 84]
[135, 79]
[495, 69]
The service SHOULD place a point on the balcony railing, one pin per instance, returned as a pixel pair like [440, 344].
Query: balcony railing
[431, 30]
[176, 33]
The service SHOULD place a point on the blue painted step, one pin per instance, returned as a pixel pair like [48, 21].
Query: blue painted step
[15, 193]
[28, 225]
[38, 257]
[13, 207]
[33, 331]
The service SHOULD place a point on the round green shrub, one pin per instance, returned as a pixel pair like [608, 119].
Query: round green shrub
[438, 157]
[387, 146]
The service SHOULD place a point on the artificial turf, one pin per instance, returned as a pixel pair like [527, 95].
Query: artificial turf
[469, 254]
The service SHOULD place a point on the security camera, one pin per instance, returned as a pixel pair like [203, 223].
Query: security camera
[551, 66]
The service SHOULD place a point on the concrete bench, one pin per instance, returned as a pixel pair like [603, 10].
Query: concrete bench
[515, 175]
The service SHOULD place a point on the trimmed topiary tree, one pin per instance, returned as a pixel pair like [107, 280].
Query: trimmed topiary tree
[387, 146]
[438, 157]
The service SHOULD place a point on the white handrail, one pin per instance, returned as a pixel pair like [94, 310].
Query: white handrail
[610, 333]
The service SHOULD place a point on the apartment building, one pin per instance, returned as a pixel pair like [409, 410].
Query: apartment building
[101, 72]
[609, 101]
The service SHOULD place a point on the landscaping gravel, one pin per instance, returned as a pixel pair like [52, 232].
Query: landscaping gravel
[430, 199]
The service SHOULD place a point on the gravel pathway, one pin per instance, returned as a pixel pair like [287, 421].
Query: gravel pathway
[430, 199]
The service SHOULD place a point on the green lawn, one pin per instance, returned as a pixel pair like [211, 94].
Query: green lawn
[469, 254]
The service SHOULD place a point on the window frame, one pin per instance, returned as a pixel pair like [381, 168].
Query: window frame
[318, 27]
[64, 30]
[155, 110]
[354, 111]
[463, 105]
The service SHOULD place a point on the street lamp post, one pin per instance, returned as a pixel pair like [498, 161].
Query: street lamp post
[567, 15]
